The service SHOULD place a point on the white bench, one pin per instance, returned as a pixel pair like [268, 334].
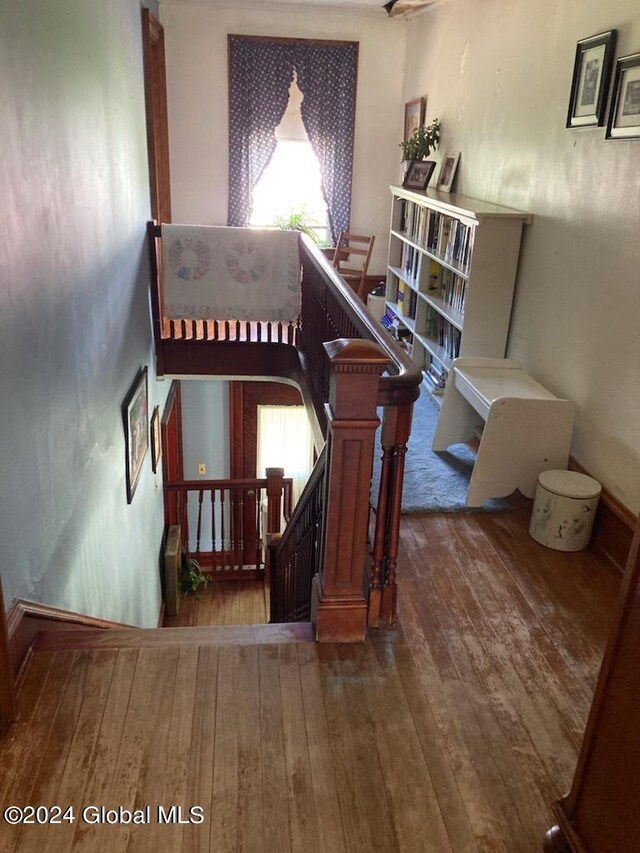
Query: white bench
[527, 429]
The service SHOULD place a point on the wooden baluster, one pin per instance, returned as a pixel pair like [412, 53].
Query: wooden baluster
[199, 527]
[240, 530]
[339, 609]
[258, 504]
[274, 498]
[380, 535]
[223, 553]
[397, 428]
[183, 515]
[214, 562]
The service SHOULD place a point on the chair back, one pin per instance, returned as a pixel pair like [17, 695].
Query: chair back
[351, 260]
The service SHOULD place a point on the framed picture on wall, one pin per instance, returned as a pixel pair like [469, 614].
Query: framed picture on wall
[624, 115]
[135, 415]
[156, 444]
[591, 77]
[414, 112]
[418, 174]
[448, 171]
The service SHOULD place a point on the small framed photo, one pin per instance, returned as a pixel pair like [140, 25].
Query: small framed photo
[135, 415]
[624, 115]
[414, 112]
[156, 443]
[591, 77]
[448, 171]
[418, 174]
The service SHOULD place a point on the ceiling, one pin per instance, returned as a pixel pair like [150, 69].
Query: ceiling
[369, 7]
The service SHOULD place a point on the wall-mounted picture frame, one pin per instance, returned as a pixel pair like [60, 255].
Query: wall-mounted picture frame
[418, 174]
[591, 77]
[135, 415]
[414, 112]
[624, 115]
[448, 171]
[156, 442]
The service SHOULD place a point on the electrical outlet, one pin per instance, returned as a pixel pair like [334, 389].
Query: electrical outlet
[202, 468]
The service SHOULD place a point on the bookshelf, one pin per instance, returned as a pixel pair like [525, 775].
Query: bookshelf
[450, 277]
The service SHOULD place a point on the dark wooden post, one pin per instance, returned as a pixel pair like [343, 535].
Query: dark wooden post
[7, 682]
[396, 429]
[339, 605]
[599, 812]
[274, 498]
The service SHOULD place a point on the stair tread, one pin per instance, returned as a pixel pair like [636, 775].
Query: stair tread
[221, 635]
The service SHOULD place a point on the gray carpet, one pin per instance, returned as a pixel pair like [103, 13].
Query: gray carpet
[434, 482]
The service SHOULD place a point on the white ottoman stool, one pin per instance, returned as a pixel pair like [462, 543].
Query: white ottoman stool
[563, 510]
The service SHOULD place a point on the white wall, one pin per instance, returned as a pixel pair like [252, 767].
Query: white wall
[205, 428]
[196, 56]
[74, 309]
[499, 75]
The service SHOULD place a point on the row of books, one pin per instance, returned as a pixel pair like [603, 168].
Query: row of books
[444, 235]
[413, 220]
[409, 261]
[407, 300]
[394, 325]
[436, 377]
[451, 288]
[442, 333]
[450, 238]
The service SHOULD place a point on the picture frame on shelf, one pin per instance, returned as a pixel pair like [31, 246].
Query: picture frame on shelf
[418, 174]
[414, 112]
[624, 114]
[135, 416]
[156, 444]
[590, 82]
[448, 171]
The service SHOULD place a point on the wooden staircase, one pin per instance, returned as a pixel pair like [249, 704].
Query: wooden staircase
[147, 638]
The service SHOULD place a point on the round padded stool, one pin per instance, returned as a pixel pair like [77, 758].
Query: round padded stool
[563, 510]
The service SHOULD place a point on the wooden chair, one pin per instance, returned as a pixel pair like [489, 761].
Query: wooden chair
[351, 260]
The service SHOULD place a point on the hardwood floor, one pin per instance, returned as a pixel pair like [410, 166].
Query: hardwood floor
[223, 603]
[452, 732]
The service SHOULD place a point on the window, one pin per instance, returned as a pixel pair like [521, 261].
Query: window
[291, 184]
[285, 441]
[261, 72]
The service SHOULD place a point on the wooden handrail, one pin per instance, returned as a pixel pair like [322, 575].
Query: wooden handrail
[403, 386]
[310, 485]
[197, 485]
[294, 557]
[229, 532]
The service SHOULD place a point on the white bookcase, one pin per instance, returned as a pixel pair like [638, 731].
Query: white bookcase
[450, 277]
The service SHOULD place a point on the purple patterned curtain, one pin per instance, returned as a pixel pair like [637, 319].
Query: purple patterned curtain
[327, 77]
[261, 72]
[260, 75]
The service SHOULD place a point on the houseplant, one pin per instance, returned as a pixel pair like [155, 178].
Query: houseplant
[192, 577]
[297, 221]
[422, 141]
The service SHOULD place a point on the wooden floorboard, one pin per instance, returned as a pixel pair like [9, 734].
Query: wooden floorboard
[223, 603]
[450, 733]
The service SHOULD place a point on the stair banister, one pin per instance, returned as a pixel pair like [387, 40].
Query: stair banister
[339, 596]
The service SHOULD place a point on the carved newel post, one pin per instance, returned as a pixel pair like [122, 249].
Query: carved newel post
[339, 605]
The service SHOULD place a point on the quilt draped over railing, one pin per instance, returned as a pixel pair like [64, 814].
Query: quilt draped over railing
[222, 273]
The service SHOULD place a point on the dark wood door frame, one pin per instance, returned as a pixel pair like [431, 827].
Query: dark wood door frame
[172, 454]
[244, 399]
[155, 93]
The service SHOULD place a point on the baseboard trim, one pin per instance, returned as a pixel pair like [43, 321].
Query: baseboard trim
[26, 619]
[613, 526]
